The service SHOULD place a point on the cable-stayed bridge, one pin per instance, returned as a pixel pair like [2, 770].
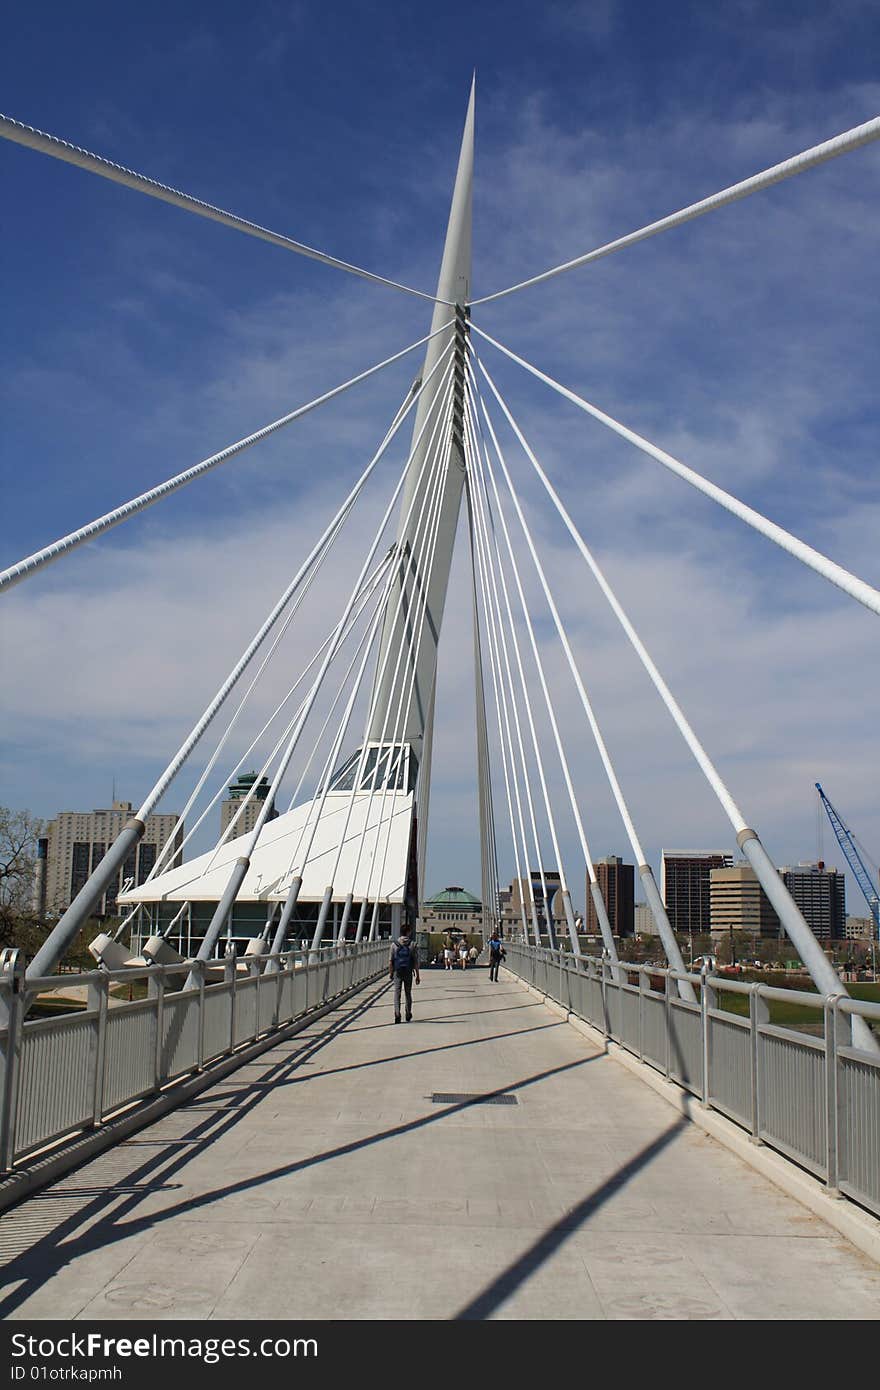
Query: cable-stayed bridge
[334, 862]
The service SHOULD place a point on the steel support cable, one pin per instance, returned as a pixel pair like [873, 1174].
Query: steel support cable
[393, 765]
[373, 635]
[777, 173]
[294, 889]
[23, 569]
[326, 777]
[731, 810]
[858, 589]
[69, 924]
[192, 739]
[483, 458]
[294, 861]
[501, 646]
[489, 885]
[242, 864]
[498, 568]
[496, 573]
[479, 593]
[436, 495]
[425, 537]
[392, 556]
[822, 972]
[504, 717]
[495, 567]
[369, 590]
[443, 452]
[507, 749]
[21, 134]
[212, 762]
[476, 580]
[667, 936]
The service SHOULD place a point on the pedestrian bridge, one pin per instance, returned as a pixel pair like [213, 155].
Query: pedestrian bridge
[489, 1160]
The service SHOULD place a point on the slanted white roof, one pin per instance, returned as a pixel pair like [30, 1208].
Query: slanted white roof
[268, 878]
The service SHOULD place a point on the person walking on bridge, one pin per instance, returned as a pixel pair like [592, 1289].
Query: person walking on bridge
[403, 964]
[496, 956]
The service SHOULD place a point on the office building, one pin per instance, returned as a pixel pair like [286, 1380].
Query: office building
[617, 885]
[685, 886]
[75, 844]
[820, 894]
[738, 903]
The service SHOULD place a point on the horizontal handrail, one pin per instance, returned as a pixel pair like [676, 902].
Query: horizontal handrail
[814, 1097]
[62, 1074]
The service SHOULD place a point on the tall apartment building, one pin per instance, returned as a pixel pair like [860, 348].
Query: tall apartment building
[617, 884]
[820, 894]
[239, 790]
[76, 842]
[738, 903]
[685, 886]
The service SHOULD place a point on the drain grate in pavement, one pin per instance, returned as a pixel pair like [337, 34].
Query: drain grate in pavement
[471, 1098]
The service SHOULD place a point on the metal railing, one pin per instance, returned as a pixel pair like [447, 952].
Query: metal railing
[814, 1099]
[65, 1074]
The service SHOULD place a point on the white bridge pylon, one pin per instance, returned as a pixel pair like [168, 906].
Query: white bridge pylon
[357, 843]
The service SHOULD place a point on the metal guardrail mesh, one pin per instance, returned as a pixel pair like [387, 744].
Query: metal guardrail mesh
[814, 1099]
[61, 1075]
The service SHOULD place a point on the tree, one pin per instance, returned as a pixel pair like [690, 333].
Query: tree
[19, 833]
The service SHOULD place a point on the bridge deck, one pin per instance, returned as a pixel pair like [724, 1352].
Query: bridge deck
[324, 1181]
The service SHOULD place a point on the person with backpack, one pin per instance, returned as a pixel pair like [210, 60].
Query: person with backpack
[496, 955]
[403, 964]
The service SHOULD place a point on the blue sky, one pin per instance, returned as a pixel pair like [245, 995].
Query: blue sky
[138, 339]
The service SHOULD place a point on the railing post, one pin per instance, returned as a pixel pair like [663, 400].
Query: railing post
[230, 977]
[198, 969]
[15, 999]
[759, 1013]
[98, 999]
[833, 1028]
[277, 975]
[641, 971]
[604, 981]
[669, 986]
[156, 989]
[705, 995]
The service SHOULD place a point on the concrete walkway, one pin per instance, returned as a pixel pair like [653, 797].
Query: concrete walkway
[325, 1181]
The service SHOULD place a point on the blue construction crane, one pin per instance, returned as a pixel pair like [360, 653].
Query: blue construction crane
[847, 843]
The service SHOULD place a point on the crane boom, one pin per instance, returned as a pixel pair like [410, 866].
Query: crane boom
[854, 859]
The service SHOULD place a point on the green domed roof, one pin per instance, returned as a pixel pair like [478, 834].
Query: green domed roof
[455, 897]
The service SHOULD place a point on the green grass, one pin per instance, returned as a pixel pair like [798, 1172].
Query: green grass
[794, 1015]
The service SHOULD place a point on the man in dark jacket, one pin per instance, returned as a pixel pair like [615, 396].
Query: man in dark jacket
[403, 964]
[496, 956]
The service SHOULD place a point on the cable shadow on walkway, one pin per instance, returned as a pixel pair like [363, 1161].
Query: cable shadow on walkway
[507, 1283]
[406, 1056]
[110, 1226]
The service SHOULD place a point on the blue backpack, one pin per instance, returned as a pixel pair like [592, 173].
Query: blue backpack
[403, 956]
